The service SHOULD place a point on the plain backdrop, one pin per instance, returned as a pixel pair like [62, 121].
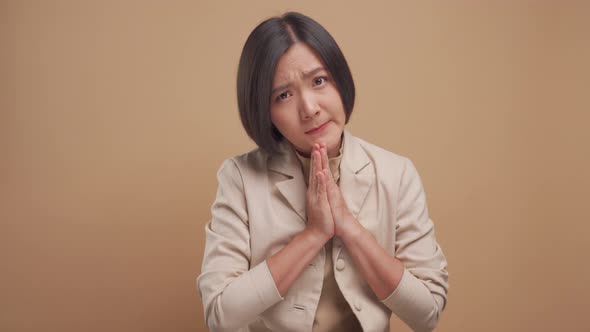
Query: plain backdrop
[116, 115]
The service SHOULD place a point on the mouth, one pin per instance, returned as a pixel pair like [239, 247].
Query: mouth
[318, 129]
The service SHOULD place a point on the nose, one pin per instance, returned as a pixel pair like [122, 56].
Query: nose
[308, 106]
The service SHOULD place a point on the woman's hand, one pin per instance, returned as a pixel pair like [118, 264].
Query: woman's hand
[345, 224]
[288, 263]
[319, 216]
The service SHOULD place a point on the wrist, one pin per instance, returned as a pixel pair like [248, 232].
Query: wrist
[352, 231]
[315, 236]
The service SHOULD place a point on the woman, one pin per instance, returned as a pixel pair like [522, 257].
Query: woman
[316, 229]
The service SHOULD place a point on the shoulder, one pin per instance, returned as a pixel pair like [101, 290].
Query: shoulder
[381, 157]
[251, 162]
[390, 168]
[394, 173]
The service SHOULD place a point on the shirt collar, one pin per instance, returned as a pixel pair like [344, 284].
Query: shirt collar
[333, 162]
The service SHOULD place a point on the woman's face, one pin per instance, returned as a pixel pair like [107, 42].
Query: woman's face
[305, 104]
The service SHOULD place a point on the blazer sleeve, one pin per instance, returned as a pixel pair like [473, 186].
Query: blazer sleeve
[422, 292]
[233, 292]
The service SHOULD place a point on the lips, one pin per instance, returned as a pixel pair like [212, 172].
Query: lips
[317, 129]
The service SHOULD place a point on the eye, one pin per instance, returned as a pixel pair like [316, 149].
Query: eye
[319, 81]
[283, 96]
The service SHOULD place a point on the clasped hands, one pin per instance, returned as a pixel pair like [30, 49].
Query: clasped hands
[327, 212]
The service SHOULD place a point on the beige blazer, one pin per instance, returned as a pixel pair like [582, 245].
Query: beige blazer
[260, 207]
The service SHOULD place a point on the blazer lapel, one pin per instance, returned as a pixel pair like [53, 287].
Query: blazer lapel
[293, 186]
[356, 174]
[356, 178]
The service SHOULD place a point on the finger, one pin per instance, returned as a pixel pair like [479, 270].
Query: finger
[324, 146]
[313, 165]
[319, 186]
[328, 188]
[330, 184]
[322, 189]
[317, 162]
[311, 175]
[316, 188]
[326, 167]
[325, 158]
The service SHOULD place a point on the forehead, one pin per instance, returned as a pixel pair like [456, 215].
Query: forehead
[299, 59]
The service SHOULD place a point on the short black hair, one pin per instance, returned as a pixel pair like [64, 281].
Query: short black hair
[260, 55]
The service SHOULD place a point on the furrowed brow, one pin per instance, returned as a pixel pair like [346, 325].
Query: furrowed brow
[278, 88]
[313, 72]
[305, 76]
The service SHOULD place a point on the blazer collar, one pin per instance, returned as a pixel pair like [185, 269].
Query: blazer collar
[356, 175]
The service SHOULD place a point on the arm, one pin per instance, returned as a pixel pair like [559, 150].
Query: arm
[421, 294]
[382, 272]
[288, 263]
[407, 293]
[413, 284]
[234, 294]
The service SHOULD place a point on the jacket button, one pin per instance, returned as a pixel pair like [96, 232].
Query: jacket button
[340, 264]
[357, 305]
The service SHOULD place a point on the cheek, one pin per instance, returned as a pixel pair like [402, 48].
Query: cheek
[275, 116]
[336, 105]
[282, 119]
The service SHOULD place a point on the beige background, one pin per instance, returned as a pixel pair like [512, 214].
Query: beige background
[115, 116]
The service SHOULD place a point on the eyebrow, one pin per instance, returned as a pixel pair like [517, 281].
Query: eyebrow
[305, 75]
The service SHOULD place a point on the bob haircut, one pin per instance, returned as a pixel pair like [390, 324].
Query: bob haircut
[260, 55]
